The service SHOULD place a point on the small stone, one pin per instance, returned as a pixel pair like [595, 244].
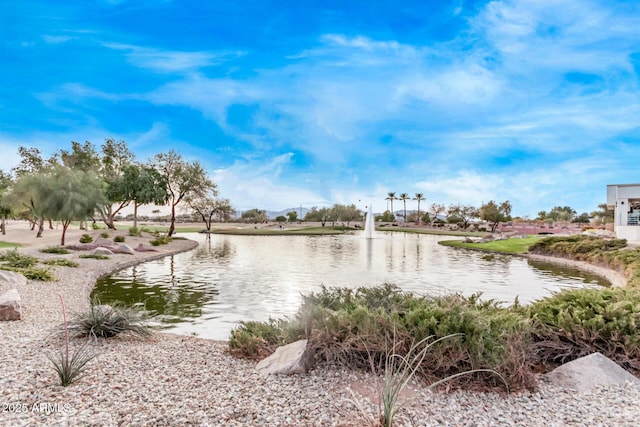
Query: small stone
[10, 307]
[290, 359]
[102, 251]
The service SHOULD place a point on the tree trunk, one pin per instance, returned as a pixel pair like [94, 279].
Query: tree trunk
[3, 225]
[40, 227]
[108, 220]
[65, 225]
[135, 214]
[172, 226]
[50, 225]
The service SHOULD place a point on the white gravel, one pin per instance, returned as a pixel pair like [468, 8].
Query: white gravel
[179, 380]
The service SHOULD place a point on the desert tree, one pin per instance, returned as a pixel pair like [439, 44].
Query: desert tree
[436, 209]
[464, 213]
[182, 178]
[142, 185]
[254, 215]
[206, 207]
[82, 157]
[316, 214]
[5, 208]
[292, 216]
[31, 162]
[494, 214]
[27, 196]
[71, 194]
[115, 158]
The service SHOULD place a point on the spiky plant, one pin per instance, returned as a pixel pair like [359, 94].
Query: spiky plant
[68, 366]
[105, 321]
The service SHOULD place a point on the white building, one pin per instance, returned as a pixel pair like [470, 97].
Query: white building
[624, 200]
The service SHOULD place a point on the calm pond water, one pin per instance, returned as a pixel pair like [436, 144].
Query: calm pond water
[227, 279]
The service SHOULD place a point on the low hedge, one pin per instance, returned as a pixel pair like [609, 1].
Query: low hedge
[358, 327]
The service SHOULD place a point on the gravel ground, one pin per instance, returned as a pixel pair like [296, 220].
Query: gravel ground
[178, 380]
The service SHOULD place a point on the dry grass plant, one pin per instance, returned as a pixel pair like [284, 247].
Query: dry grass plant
[70, 366]
[399, 369]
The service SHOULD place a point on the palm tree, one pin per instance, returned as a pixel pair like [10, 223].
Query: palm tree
[391, 197]
[419, 197]
[404, 197]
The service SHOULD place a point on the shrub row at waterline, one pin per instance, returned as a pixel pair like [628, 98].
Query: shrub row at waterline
[609, 253]
[356, 326]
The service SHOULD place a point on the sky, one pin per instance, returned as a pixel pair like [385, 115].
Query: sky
[311, 103]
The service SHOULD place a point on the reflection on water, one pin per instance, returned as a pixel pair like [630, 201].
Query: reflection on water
[232, 278]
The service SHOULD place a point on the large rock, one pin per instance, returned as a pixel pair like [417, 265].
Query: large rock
[124, 249]
[10, 307]
[11, 279]
[102, 251]
[292, 358]
[101, 241]
[588, 372]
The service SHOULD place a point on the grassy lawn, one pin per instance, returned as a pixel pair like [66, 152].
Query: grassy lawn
[510, 246]
[432, 231]
[8, 245]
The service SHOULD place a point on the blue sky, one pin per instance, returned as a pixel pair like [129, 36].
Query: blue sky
[290, 103]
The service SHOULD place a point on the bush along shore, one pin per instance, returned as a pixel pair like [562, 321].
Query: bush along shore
[357, 327]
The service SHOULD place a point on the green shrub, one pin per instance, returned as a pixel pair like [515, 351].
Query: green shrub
[104, 235]
[95, 226]
[575, 323]
[86, 238]
[160, 240]
[355, 326]
[56, 250]
[106, 321]
[32, 273]
[255, 339]
[135, 232]
[15, 259]
[119, 239]
[61, 262]
[94, 256]
[609, 253]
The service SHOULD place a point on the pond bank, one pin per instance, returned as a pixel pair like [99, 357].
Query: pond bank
[180, 380]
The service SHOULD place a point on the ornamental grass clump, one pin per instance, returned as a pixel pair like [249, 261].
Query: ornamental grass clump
[61, 262]
[58, 250]
[106, 321]
[576, 323]
[69, 366]
[86, 238]
[24, 264]
[15, 259]
[400, 367]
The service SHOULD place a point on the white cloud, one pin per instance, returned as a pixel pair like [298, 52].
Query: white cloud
[56, 39]
[168, 61]
[257, 184]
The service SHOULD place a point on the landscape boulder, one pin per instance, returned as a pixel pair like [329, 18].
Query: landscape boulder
[9, 279]
[102, 251]
[294, 358]
[588, 372]
[10, 307]
[101, 241]
[125, 249]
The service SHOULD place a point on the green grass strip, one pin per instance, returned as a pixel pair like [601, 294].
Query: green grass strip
[517, 246]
